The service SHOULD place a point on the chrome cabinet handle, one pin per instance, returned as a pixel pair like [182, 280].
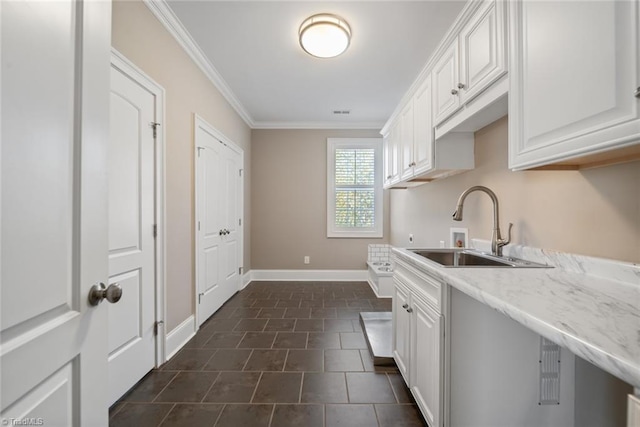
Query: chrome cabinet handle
[460, 85]
[454, 92]
[405, 306]
[637, 94]
[389, 177]
[99, 292]
[409, 310]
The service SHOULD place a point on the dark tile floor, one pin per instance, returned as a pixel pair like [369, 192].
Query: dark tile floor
[276, 354]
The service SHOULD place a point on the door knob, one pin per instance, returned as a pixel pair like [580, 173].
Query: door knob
[99, 292]
[454, 92]
[460, 85]
[405, 306]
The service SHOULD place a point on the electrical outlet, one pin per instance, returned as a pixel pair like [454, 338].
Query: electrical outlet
[307, 259]
[410, 238]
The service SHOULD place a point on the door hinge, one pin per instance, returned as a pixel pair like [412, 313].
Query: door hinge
[240, 171]
[156, 326]
[240, 271]
[240, 221]
[155, 125]
[199, 149]
[155, 230]
[198, 225]
[200, 298]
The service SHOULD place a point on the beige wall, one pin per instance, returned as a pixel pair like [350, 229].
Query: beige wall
[593, 212]
[289, 203]
[142, 39]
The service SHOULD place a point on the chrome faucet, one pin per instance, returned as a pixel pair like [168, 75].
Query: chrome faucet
[497, 242]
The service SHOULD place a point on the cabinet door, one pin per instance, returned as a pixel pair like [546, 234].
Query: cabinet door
[401, 329]
[388, 156]
[406, 142]
[445, 84]
[426, 361]
[573, 73]
[482, 50]
[391, 157]
[423, 151]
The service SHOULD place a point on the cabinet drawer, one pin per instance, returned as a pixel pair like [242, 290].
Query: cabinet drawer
[426, 287]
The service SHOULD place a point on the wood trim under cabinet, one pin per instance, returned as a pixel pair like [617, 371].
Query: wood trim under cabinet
[608, 158]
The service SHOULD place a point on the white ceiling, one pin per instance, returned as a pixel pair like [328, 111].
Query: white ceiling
[253, 48]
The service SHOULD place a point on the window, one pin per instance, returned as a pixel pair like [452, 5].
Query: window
[354, 187]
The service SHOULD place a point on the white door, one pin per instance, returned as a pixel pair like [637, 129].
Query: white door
[209, 225]
[231, 238]
[131, 232]
[218, 229]
[55, 126]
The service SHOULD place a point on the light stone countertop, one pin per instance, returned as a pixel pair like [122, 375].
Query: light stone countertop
[590, 306]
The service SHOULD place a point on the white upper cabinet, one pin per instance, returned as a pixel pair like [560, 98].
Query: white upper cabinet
[423, 148]
[406, 141]
[391, 156]
[574, 78]
[445, 84]
[472, 62]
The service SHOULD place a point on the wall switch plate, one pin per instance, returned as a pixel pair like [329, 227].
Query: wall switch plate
[307, 259]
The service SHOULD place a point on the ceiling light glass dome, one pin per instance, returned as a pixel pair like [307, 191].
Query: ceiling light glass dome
[324, 35]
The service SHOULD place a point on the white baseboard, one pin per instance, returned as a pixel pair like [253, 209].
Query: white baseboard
[180, 335]
[309, 275]
[246, 279]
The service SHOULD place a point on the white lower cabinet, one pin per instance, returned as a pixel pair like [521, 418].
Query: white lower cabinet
[426, 367]
[418, 339]
[401, 329]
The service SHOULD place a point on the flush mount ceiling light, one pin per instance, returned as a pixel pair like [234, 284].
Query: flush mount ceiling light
[324, 35]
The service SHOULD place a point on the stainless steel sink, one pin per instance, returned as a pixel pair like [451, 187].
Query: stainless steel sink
[466, 258]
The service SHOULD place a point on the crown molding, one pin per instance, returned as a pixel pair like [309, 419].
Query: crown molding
[165, 15]
[317, 125]
[450, 36]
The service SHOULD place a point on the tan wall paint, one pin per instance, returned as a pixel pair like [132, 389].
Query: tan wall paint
[592, 212]
[139, 36]
[289, 203]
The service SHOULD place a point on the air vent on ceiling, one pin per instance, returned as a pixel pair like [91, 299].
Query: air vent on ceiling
[342, 112]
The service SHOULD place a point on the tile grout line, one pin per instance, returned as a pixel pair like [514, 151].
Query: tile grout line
[168, 412]
[224, 406]
[165, 387]
[392, 388]
[210, 386]
[253, 395]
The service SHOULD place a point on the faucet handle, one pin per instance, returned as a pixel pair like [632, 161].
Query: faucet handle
[504, 242]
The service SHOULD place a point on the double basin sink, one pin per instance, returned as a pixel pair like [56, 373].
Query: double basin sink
[467, 258]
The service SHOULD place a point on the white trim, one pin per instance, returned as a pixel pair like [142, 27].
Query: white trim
[165, 15]
[180, 335]
[310, 275]
[246, 279]
[333, 231]
[317, 125]
[119, 61]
